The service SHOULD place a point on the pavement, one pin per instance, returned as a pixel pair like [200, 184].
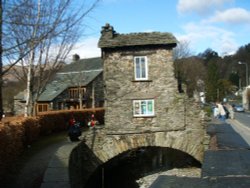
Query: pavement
[227, 165]
[56, 174]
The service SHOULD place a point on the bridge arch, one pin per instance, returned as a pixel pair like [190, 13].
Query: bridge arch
[100, 148]
[128, 167]
[113, 145]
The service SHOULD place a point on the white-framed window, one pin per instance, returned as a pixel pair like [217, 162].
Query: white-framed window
[143, 108]
[141, 68]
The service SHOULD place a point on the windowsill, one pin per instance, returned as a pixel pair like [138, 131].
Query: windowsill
[142, 81]
[153, 116]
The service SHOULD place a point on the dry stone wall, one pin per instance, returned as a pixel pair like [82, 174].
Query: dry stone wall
[171, 107]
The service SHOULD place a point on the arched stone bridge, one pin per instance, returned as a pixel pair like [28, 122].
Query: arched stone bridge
[140, 111]
[100, 146]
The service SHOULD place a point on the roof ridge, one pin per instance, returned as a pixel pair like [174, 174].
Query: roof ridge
[111, 39]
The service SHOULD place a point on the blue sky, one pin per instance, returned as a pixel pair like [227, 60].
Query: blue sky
[222, 25]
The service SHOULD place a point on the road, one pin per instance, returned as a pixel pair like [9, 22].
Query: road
[224, 166]
[241, 124]
[243, 118]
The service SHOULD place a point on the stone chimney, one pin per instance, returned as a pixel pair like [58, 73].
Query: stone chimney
[108, 31]
[75, 57]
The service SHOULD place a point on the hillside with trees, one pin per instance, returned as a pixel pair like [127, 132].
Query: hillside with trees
[219, 77]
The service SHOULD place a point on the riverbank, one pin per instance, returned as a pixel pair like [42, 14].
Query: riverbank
[146, 181]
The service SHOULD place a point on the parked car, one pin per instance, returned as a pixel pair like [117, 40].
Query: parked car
[238, 108]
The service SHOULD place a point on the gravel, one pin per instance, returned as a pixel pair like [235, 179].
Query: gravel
[146, 181]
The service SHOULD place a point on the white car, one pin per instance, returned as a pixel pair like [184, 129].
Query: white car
[238, 108]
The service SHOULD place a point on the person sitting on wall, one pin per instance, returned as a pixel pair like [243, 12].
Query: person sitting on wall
[92, 121]
[216, 112]
[231, 110]
[74, 130]
[72, 121]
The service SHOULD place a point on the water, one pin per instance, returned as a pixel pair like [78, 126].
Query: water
[123, 170]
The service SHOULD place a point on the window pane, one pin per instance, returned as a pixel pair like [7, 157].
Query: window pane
[45, 107]
[143, 69]
[143, 107]
[138, 68]
[137, 108]
[140, 65]
[142, 59]
[150, 107]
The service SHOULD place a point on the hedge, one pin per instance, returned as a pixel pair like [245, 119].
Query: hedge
[17, 133]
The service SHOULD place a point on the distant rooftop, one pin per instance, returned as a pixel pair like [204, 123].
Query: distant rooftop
[111, 39]
[81, 71]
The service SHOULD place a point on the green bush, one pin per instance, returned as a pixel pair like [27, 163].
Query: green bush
[208, 111]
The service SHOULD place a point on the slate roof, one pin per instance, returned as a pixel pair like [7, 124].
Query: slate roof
[20, 96]
[84, 64]
[83, 71]
[111, 39]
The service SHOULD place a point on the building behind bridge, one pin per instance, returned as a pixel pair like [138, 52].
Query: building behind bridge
[77, 85]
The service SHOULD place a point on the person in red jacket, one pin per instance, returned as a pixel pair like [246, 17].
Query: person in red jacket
[92, 121]
[72, 121]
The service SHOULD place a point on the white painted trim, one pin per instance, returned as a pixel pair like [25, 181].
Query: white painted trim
[146, 67]
[144, 115]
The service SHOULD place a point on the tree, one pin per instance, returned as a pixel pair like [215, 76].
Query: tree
[211, 83]
[234, 78]
[182, 50]
[191, 71]
[208, 55]
[243, 55]
[12, 88]
[225, 87]
[49, 29]
[1, 59]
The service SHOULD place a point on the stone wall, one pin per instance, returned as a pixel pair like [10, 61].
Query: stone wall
[121, 89]
[246, 98]
[100, 146]
[176, 115]
[106, 146]
[19, 107]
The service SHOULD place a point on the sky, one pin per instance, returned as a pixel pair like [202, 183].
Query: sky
[222, 25]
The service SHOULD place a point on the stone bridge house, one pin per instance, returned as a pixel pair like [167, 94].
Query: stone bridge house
[143, 107]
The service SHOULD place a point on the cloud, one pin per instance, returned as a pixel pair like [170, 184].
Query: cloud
[199, 6]
[87, 48]
[202, 36]
[232, 16]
